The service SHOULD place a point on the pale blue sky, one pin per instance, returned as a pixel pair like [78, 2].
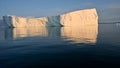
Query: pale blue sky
[38, 8]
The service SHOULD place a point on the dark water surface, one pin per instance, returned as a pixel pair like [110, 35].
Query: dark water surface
[68, 47]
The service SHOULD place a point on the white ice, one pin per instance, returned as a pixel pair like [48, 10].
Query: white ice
[75, 18]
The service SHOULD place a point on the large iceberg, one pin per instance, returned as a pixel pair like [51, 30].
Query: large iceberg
[75, 18]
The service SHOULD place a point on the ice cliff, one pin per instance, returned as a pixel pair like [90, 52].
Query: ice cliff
[76, 18]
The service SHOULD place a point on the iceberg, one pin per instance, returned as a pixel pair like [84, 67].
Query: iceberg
[75, 18]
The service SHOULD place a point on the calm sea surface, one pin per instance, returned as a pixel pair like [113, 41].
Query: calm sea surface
[46, 47]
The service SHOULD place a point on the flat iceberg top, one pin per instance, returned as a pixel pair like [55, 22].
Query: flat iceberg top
[75, 18]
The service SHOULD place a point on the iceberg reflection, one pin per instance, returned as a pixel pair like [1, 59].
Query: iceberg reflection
[29, 32]
[82, 34]
[16, 33]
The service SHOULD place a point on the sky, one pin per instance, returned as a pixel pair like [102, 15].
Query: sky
[39, 8]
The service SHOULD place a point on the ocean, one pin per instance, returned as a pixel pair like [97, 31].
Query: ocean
[59, 47]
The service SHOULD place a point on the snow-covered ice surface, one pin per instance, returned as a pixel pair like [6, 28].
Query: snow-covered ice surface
[75, 18]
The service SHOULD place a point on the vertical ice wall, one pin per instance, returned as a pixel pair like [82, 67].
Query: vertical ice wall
[54, 21]
[13, 21]
[8, 20]
[81, 17]
[76, 18]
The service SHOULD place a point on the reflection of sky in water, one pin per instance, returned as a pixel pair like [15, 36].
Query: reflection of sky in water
[74, 34]
[109, 34]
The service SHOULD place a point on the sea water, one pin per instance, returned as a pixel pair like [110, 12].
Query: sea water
[46, 47]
